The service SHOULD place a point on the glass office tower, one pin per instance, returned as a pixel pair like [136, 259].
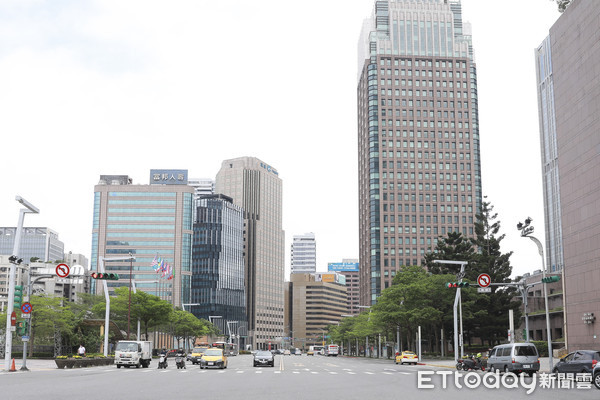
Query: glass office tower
[148, 221]
[256, 187]
[418, 136]
[218, 264]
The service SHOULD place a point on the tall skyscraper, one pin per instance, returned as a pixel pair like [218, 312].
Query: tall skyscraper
[569, 106]
[418, 136]
[256, 187]
[218, 263]
[148, 221]
[304, 254]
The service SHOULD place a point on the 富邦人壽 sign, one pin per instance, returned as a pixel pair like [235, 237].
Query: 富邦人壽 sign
[168, 177]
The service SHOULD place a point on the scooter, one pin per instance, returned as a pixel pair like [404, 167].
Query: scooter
[474, 363]
[162, 362]
[180, 362]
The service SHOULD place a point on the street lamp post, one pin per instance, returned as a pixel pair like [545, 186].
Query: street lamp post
[30, 208]
[526, 231]
[457, 304]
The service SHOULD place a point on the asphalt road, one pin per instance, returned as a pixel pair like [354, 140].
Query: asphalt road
[293, 377]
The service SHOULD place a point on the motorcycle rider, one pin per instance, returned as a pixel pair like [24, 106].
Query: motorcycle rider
[163, 357]
[180, 357]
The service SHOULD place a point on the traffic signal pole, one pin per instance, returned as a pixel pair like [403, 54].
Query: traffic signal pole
[30, 208]
[457, 302]
[107, 297]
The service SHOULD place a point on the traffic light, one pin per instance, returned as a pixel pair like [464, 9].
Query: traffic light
[21, 328]
[550, 279]
[454, 285]
[18, 297]
[105, 276]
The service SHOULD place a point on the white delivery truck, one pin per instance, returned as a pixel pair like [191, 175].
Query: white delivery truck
[133, 352]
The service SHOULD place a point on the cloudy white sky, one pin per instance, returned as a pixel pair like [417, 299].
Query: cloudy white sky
[125, 86]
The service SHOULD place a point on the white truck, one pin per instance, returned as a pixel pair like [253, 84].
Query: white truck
[133, 353]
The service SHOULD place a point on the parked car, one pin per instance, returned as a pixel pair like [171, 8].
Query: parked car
[596, 375]
[578, 361]
[407, 357]
[214, 358]
[263, 357]
[514, 357]
[286, 352]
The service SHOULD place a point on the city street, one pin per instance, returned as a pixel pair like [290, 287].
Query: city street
[293, 377]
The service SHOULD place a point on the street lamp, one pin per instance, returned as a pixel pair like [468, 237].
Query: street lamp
[457, 304]
[526, 231]
[30, 208]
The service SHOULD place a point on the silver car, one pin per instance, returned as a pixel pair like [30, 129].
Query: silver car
[514, 357]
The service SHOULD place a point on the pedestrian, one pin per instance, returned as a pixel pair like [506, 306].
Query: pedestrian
[81, 351]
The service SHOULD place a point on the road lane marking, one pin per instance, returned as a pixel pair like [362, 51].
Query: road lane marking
[369, 373]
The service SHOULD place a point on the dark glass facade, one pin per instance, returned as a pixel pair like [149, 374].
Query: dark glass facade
[218, 287]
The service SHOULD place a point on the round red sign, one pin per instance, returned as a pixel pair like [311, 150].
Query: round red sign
[484, 280]
[62, 270]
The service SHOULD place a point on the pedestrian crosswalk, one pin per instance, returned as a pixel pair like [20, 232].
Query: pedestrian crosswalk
[249, 371]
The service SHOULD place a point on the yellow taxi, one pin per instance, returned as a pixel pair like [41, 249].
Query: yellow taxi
[310, 353]
[406, 357]
[196, 354]
[213, 358]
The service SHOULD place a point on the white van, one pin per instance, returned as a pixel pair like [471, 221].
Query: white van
[514, 357]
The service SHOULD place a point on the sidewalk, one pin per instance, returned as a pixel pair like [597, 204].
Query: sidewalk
[32, 365]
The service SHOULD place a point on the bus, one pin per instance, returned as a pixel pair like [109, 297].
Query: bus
[331, 350]
[229, 349]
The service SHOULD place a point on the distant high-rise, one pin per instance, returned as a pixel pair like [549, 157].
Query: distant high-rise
[304, 254]
[218, 263]
[256, 187]
[148, 221]
[350, 269]
[569, 106]
[418, 136]
[41, 243]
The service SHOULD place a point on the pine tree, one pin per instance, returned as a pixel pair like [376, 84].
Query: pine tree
[491, 321]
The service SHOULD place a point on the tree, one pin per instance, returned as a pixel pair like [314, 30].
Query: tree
[493, 307]
[416, 298]
[48, 315]
[151, 310]
[185, 325]
[454, 247]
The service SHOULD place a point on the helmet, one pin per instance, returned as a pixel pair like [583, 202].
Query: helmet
[478, 354]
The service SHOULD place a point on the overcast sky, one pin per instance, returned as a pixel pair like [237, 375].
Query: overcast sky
[122, 87]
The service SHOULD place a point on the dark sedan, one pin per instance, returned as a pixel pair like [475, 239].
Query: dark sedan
[263, 357]
[578, 361]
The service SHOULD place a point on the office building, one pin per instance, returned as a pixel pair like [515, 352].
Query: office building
[418, 136]
[536, 310]
[304, 254]
[151, 222]
[316, 301]
[256, 187]
[40, 243]
[569, 105]
[351, 271]
[218, 287]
